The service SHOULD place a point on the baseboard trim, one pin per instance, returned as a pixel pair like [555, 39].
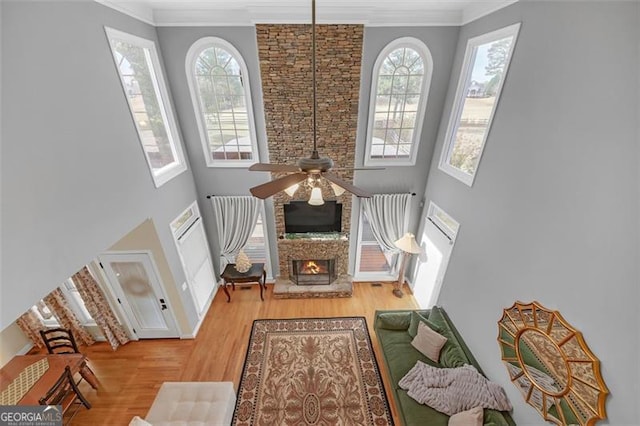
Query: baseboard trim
[25, 349]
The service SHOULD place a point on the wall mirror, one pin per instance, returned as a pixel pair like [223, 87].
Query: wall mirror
[550, 363]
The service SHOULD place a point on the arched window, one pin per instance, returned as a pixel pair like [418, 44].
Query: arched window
[399, 89]
[219, 84]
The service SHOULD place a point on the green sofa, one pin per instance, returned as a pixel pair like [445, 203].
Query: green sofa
[395, 331]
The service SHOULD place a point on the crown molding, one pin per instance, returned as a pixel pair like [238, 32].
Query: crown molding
[478, 10]
[140, 11]
[399, 14]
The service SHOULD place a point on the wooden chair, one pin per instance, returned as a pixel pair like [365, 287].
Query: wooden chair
[60, 341]
[65, 393]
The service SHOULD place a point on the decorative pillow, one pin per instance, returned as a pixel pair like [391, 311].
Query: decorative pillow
[473, 417]
[428, 342]
[416, 319]
[137, 421]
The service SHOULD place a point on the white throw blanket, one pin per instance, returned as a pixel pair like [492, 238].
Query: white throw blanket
[453, 390]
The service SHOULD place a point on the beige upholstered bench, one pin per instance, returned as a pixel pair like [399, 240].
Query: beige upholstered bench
[191, 404]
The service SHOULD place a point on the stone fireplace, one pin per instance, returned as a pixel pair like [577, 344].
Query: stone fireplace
[312, 271]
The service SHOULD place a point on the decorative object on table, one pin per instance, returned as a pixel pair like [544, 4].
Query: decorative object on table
[314, 170]
[409, 246]
[243, 264]
[311, 371]
[551, 364]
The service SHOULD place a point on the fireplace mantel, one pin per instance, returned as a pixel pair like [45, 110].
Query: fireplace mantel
[292, 249]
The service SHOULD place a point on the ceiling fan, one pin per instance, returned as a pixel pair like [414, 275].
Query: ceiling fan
[311, 168]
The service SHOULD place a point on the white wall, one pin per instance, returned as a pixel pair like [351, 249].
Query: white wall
[74, 176]
[553, 213]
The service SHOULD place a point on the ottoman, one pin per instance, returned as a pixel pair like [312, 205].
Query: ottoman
[193, 404]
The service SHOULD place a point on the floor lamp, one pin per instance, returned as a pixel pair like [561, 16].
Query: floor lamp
[409, 246]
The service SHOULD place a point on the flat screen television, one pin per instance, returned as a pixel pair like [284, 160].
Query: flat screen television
[301, 217]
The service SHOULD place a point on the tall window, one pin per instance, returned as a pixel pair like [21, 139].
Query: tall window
[484, 70]
[401, 78]
[143, 83]
[219, 84]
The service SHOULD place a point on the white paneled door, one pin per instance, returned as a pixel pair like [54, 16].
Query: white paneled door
[194, 253]
[439, 232]
[135, 282]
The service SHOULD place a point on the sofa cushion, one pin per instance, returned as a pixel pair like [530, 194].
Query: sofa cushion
[416, 414]
[416, 319]
[393, 320]
[452, 354]
[428, 342]
[193, 404]
[494, 418]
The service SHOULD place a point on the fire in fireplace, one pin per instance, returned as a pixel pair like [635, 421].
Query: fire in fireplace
[313, 271]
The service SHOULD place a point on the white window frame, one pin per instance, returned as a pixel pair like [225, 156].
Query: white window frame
[184, 220]
[456, 110]
[433, 213]
[425, 53]
[71, 295]
[392, 275]
[192, 55]
[168, 172]
[51, 322]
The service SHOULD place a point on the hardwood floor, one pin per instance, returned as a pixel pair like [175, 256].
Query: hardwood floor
[131, 376]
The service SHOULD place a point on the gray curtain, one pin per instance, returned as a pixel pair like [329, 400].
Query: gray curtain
[236, 218]
[388, 215]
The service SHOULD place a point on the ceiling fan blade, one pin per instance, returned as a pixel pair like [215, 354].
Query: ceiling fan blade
[266, 190]
[266, 167]
[358, 168]
[346, 185]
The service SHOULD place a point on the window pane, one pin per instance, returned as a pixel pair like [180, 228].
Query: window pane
[487, 59]
[479, 104]
[256, 244]
[372, 258]
[137, 64]
[221, 90]
[135, 67]
[398, 91]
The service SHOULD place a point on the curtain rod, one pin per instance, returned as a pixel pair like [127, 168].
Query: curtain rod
[413, 194]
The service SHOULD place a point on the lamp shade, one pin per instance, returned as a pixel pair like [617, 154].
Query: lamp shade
[292, 189]
[337, 189]
[408, 244]
[316, 197]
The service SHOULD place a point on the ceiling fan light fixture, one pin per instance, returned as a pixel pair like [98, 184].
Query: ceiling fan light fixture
[337, 189]
[292, 189]
[316, 197]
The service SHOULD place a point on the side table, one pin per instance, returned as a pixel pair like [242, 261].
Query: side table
[256, 274]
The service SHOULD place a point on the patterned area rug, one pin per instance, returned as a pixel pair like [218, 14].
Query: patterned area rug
[319, 371]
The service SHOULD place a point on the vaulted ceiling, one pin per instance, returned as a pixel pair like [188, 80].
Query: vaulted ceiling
[249, 12]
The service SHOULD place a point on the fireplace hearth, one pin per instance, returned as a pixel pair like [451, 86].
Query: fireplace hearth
[313, 271]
